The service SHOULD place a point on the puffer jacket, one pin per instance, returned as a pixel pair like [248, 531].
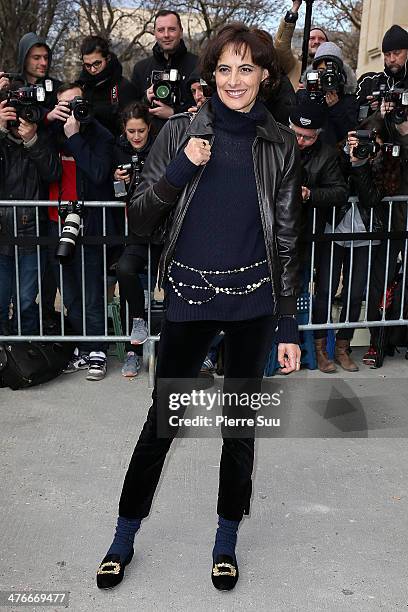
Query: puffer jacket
[277, 174]
[24, 175]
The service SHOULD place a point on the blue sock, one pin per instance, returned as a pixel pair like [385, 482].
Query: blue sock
[225, 538]
[124, 537]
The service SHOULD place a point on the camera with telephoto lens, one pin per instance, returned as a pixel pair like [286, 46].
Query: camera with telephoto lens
[367, 144]
[71, 213]
[166, 86]
[26, 101]
[134, 168]
[80, 108]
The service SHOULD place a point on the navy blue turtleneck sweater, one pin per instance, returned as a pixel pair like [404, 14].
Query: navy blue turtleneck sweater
[222, 229]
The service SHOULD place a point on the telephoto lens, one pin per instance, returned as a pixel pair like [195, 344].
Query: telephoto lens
[70, 231]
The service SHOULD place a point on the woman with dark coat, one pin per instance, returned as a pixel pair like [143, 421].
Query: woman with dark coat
[227, 187]
[107, 91]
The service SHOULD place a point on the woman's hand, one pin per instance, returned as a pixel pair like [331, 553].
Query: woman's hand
[289, 357]
[198, 151]
[122, 175]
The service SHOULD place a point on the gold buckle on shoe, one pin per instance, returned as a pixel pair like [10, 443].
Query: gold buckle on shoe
[232, 571]
[113, 565]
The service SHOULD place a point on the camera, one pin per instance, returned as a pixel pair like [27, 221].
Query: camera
[80, 108]
[26, 102]
[11, 76]
[367, 144]
[134, 168]
[399, 97]
[331, 77]
[313, 88]
[71, 213]
[166, 86]
[391, 149]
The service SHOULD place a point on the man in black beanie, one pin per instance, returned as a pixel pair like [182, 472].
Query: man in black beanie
[394, 75]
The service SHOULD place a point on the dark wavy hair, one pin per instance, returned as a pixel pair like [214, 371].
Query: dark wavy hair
[135, 110]
[92, 44]
[242, 37]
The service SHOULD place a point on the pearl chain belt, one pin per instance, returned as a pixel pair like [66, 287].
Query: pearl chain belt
[209, 286]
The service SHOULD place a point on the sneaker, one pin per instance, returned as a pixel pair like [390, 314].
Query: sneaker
[79, 361]
[131, 366]
[139, 332]
[97, 366]
[207, 369]
[370, 357]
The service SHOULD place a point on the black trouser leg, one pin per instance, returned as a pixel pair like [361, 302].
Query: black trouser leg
[182, 349]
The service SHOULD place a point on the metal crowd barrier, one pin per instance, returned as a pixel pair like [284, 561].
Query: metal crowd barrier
[40, 241]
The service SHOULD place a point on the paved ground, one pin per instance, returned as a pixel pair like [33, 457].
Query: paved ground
[328, 525]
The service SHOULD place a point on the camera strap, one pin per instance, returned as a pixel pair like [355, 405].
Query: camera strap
[115, 94]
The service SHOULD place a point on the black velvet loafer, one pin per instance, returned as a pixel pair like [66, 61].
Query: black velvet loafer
[224, 574]
[111, 571]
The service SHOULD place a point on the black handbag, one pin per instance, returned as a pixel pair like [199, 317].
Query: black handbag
[26, 364]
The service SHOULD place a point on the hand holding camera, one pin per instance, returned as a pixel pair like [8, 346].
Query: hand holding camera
[158, 108]
[4, 81]
[122, 174]
[60, 112]
[71, 126]
[331, 98]
[7, 113]
[26, 130]
[198, 151]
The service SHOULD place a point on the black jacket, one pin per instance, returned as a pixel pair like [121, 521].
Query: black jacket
[277, 173]
[24, 174]
[49, 83]
[108, 93]
[184, 61]
[321, 173]
[281, 100]
[371, 81]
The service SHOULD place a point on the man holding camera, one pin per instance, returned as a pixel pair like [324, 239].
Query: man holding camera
[372, 86]
[34, 61]
[28, 161]
[169, 55]
[86, 152]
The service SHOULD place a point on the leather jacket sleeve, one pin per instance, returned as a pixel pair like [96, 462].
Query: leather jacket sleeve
[332, 188]
[367, 191]
[45, 157]
[287, 224]
[154, 197]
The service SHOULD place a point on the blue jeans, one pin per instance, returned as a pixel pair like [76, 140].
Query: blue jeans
[72, 290]
[28, 289]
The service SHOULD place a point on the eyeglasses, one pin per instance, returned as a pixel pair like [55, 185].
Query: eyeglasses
[95, 64]
[305, 138]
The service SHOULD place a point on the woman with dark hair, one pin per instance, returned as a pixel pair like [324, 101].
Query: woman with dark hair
[104, 87]
[133, 147]
[226, 186]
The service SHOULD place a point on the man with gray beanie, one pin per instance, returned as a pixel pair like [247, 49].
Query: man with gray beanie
[394, 75]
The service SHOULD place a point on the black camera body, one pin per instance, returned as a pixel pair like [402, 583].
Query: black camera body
[134, 168]
[399, 97]
[166, 86]
[26, 101]
[367, 144]
[80, 108]
[331, 78]
[71, 213]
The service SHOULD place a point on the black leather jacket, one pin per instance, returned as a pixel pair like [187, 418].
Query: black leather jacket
[277, 174]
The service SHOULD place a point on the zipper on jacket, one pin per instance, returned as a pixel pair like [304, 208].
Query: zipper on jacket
[169, 250]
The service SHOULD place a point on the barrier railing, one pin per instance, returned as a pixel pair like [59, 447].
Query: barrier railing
[390, 236]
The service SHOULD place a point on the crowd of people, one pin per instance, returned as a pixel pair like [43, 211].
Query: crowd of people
[89, 140]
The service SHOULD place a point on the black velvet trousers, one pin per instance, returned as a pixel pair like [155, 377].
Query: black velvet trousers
[182, 349]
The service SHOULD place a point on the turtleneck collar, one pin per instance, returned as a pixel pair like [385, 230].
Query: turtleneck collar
[113, 71]
[236, 121]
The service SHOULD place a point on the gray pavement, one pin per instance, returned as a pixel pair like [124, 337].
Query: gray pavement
[328, 523]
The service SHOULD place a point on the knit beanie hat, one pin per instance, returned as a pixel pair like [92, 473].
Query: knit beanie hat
[309, 115]
[395, 38]
[328, 50]
[320, 30]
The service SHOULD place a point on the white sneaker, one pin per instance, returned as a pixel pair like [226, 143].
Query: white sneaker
[97, 366]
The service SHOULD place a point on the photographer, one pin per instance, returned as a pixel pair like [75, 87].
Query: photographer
[333, 90]
[28, 162]
[394, 75]
[86, 151]
[132, 149]
[107, 91]
[169, 53]
[34, 62]
[368, 170]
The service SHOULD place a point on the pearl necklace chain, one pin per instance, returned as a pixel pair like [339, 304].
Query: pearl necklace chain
[243, 290]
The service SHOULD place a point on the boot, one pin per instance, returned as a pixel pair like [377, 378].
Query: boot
[342, 356]
[324, 364]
